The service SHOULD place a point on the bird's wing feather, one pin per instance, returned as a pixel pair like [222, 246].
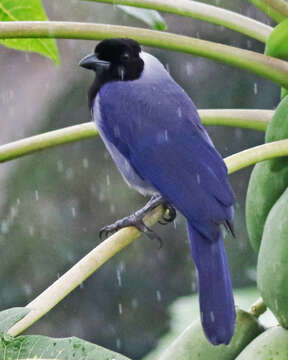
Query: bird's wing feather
[162, 137]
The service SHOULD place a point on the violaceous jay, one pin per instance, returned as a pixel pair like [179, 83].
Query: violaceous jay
[153, 132]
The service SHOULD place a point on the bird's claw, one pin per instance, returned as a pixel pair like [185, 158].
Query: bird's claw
[169, 216]
[136, 220]
[131, 220]
[119, 224]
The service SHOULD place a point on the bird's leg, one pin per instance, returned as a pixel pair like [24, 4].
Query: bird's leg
[136, 219]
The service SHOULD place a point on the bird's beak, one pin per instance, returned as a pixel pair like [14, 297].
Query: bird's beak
[91, 62]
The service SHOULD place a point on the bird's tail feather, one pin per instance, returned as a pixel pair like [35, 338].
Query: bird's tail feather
[215, 288]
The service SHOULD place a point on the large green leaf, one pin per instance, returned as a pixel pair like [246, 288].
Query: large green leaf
[277, 43]
[150, 17]
[27, 10]
[43, 347]
[9, 317]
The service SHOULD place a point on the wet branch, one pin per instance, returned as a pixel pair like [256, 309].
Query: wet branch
[251, 119]
[205, 12]
[268, 67]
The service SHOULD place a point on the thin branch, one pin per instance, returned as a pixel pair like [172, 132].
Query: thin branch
[255, 119]
[81, 271]
[276, 9]
[46, 140]
[251, 119]
[201, 11]
[268, 67]
[256, 154]
[103, 252]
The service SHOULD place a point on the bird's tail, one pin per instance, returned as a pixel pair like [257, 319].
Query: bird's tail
[215, 288]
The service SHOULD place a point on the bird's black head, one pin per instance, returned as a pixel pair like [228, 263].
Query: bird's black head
[115, 59]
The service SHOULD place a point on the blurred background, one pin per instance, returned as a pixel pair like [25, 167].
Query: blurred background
[53, 203]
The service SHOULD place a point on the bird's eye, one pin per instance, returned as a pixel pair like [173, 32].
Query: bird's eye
[125, 57]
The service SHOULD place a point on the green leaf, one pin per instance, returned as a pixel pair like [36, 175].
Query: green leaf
[10, 317]
[151, 18]
[43, 347]
[277, 43]
[27, 10]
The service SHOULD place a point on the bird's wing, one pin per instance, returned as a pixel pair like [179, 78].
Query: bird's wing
[162, 137]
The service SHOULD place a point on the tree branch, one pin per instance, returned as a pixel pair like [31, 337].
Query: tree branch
[108, 248]
[268, 67]
[251, 119]
[256, 154]
[205, 12]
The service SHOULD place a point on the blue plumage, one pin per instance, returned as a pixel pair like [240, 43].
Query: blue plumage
[154, 134]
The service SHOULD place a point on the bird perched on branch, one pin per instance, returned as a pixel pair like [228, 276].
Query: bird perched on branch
[153, 132]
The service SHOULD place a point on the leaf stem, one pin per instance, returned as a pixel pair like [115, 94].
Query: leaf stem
[108, 248]
[81, 271]
[276, 9]
[46, 140]
[258, 308]
[254, 119]
[270, 68]
[201, 11]
[256, 154]
[251, 119]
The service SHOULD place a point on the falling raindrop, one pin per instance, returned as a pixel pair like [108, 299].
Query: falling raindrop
[249, 44]
[27, 289]
[69, 174]
[122, 73]
[85, 163]
[112, 209]
[120, 309]
[118, 343]
[73, 210]
[134, 303]
[255, 88]
[158, 296]
[212, 316]
[36, 192]
[119, 278]
[4, 227]
[189, 68]
[31, 230]
[60, 165]
[194, 286]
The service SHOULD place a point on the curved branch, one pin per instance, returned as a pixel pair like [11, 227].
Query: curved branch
[256, 154]
[201, 11]
[108, 248]
[46, 140]
[251, 119]
[270, 68]
[244, 118]
[81, 271]
[276, 9]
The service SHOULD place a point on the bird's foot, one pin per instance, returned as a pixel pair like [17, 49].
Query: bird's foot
[136, 219]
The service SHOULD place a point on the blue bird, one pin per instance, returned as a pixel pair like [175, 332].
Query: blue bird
[153, 132]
